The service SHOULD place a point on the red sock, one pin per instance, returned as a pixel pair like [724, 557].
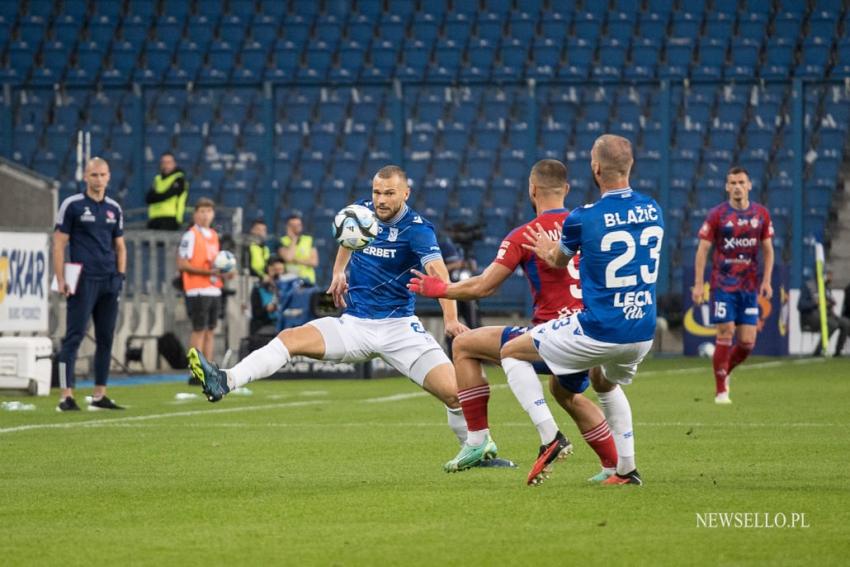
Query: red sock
[740, 354]
[720, 361]
[473, 401]
[602, 442]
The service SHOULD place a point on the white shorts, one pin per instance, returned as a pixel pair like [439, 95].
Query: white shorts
[563, 345]
[402, 342]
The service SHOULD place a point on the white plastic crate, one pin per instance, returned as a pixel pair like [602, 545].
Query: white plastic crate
[25, 364]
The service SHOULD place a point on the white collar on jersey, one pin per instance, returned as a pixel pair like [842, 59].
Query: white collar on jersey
[398, 217]
[617, 192]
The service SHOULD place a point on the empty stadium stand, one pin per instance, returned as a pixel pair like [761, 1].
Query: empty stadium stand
[291, 105]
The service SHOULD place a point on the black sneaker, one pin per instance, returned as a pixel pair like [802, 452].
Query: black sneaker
[68, 404]
[103, 403]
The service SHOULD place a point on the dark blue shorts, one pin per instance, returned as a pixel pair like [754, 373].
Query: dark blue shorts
[576, 383]
[739, 307]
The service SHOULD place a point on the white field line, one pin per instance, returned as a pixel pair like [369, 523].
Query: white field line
[440, 425]
[399, 397]
[137, 418]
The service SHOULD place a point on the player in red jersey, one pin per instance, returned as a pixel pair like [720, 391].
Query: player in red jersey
[737, 229]
[556, 293]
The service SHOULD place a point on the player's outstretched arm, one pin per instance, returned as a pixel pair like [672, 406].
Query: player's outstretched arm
[545, 246]
[437, 269]
[484, 284]
[339, 283]
[697, 292]
[766, 289]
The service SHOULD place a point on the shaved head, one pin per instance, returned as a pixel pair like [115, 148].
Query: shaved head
[96, 162]
[96, 177]
[611, 158]
[549, 175]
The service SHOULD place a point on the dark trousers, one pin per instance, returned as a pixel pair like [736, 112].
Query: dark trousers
[811, 320]
[96, 299]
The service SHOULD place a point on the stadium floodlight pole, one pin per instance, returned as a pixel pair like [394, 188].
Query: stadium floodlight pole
[822, 307]
[79, 174]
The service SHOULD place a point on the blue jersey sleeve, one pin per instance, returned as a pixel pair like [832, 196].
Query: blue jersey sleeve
[118, 231]
[571, 238]
[423, 242]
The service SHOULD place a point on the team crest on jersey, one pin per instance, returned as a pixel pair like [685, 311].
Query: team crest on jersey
[393, 234]
[110, 217]
[87, 216]
[754, 222]
[730, 224]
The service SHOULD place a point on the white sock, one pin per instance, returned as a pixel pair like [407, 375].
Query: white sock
[476, 438]
[261, 363]
[528, 390]
[618, 412]
[457, 422]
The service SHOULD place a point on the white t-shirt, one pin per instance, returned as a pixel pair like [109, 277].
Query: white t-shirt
[186, 251]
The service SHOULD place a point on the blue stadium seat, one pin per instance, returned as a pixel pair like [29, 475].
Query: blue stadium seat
[392, 28]
[448, 54]
[222, 56]
[318, 58]
[295, 28]
[489, 26]
[653, 25]
[457, 25]
[417, 54]
[579, 53]
[67, 29]
[264, 29]
[200, 29]
[158, 57]
[514, 53]
[523, 27]
[753, 25]
[815, 58]
[621, 26]
[169, 30]
[822, 26]
[588, 26]
[190, 58]
[361, 29]
[555, 25]
[719, 25]
[686, 24]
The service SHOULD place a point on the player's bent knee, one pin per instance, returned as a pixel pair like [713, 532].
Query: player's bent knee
[434, 369]
[305, 340]
[600, 383]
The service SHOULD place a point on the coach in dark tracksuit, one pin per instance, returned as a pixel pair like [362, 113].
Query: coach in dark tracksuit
[93, 225]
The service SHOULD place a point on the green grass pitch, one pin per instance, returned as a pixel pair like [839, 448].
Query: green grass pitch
[349, 473]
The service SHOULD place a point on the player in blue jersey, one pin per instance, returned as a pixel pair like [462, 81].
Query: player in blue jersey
[378, 319]
[619, 238]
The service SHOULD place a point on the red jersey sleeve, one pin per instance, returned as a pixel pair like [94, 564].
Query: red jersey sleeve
[511, 252]
[709, 227]
[767, 226]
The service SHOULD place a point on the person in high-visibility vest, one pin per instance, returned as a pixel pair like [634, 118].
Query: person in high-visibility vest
[167, 196]
[298, 251]
[257, 252]
[202, 283]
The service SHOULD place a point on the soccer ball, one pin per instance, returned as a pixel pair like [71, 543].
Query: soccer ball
[706, 350]
[224, 261]
[354, 227]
